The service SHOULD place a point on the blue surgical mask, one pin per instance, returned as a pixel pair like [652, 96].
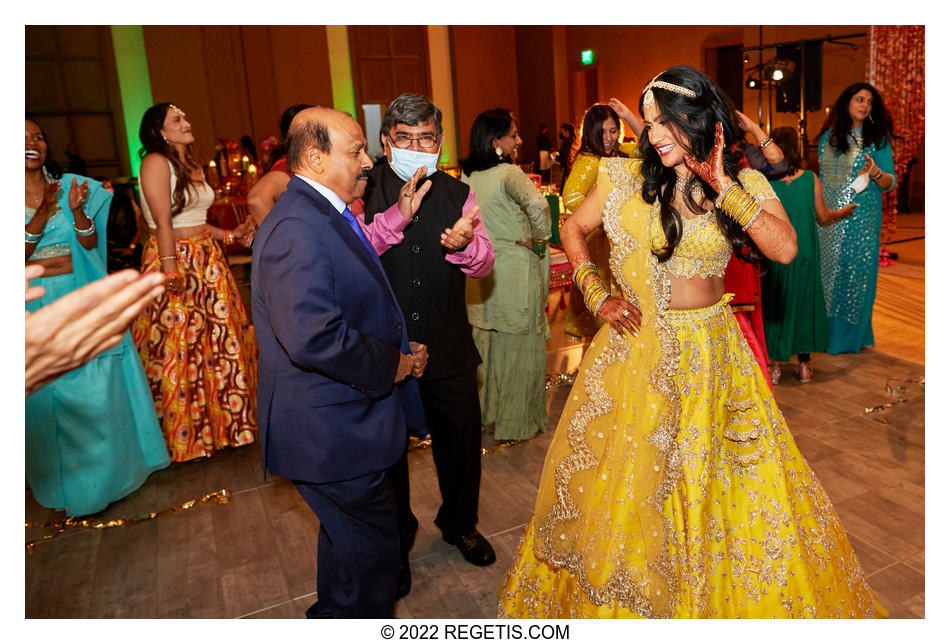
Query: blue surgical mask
[406, 162]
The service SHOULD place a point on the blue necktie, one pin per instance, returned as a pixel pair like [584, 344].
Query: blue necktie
[409, 388]
[355, 225]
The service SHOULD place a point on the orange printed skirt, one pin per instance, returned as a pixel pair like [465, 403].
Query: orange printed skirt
[200, 354]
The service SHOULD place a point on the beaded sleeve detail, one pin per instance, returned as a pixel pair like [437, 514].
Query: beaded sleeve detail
[756, 185]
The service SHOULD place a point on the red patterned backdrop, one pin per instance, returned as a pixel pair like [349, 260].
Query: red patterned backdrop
[896, 69]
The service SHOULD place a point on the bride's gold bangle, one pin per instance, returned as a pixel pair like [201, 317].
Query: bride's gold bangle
[738, 204]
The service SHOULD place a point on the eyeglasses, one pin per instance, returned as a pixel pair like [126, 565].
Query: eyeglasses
[426, 141]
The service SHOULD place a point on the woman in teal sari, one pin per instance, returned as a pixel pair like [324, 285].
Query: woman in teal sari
[855, 166]
[92, 435]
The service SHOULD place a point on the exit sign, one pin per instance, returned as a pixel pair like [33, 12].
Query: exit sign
[587, 56]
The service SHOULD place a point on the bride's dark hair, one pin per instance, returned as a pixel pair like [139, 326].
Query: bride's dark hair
[694, 121]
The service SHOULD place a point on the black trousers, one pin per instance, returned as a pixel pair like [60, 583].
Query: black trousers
[357, 549]
[453, 416]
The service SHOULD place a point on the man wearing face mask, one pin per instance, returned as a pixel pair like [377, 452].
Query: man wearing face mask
[443, 243]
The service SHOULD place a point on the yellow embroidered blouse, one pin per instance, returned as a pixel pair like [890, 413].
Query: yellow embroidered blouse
[703, 251]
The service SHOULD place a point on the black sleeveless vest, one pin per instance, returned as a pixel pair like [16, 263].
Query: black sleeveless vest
[430, 290]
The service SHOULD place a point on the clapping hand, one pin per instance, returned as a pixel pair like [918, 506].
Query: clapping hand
[410, 198]
[711, 170]
[456, 237]
[48, 203]
[78, 194]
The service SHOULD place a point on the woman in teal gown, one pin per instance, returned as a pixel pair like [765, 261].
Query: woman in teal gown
[854, 151]
[92, 435]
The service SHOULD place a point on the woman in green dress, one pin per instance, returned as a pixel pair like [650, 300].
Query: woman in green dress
[506, 308]
[793, 301]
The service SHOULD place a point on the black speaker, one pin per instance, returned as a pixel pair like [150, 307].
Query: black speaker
[788, 90]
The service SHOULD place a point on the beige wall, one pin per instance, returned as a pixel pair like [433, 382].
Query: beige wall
[236, 80]
[233, 80]
[486, 75]
[629, 56]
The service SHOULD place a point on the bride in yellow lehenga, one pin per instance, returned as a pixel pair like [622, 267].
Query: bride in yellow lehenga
[672, 487]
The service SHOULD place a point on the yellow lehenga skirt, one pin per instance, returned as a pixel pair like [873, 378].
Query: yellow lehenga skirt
[750, 531]
[200, 354]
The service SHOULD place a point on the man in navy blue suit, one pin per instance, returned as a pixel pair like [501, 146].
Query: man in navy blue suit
[337, 389]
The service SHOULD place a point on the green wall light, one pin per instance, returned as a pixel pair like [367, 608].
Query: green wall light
[135, 87]
[587, 56]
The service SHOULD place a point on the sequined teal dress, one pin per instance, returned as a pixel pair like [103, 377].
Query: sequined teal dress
[92, 435]
[850, 246]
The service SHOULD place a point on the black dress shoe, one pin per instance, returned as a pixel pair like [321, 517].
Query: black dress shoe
[473, 546]
[405, 580]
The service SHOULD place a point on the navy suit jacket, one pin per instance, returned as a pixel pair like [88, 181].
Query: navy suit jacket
[329, 331]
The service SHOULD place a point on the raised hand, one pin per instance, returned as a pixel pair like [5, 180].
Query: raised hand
[78, 194]
[76, 327]
[410, 198]
[869, 166]
[620, 108]
[711, 170]
[627, 115]
[620, 314]
[462, 232]
[33, 292]
[747, 124]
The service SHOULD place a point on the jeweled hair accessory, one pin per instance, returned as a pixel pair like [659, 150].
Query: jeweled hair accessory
[670, 87]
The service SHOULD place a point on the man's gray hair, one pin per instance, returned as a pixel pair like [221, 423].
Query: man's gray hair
[411, 109]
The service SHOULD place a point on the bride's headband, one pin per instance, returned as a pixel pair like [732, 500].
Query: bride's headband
[670, 87]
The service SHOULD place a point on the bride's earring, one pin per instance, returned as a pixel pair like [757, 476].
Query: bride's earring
[499, 151]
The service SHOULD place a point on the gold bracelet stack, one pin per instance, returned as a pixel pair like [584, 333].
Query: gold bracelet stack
[581, 272]
[594, 292]
[739, 205]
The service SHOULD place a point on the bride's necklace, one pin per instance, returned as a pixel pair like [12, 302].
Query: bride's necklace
[681, 182]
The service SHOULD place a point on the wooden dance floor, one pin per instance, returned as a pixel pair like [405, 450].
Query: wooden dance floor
[256, 556]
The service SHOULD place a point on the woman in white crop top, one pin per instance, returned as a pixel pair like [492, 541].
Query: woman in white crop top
[196, 341]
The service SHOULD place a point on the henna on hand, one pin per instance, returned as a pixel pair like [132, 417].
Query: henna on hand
[711, 170]
[774, 236]
[612, 311]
